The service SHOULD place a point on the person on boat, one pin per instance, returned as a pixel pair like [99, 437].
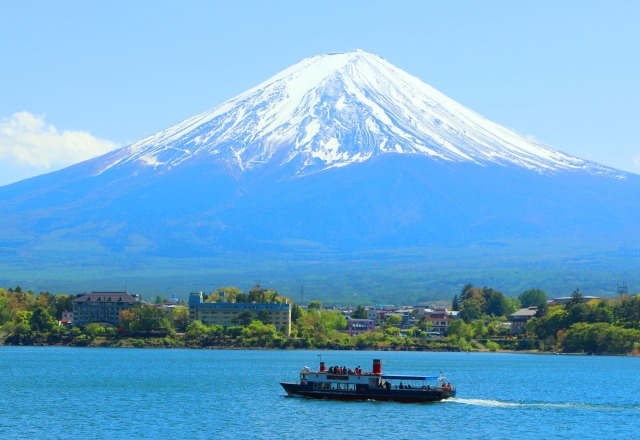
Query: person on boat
[401, 386]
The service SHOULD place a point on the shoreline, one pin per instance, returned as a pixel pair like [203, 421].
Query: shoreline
[232, 348]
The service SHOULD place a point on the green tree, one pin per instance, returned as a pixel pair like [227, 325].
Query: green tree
[148, 319]
[626, 311]
[359, 313]
[471, 310]
[550, 324]
[296, 312]
[392, 331]
[533, 298]
[466, 291]
[576, 299]
[315, 304]
[455, 304]
[259, 334]
[62, 303]
[260, 295]
[600, 338]
[243, 319]
[180, 318]
[263, 316]
[41, 321]
[496, 303]
[197, 329]
[94, 329]
[479, 329]
[459, 330]
[394, 320]
[227, 294]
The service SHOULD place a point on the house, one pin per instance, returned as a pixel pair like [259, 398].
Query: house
[357, 326]
[520, 318]
[225, 314]
[440, 320]
[101, 307]
[67, 318]
[439, 324]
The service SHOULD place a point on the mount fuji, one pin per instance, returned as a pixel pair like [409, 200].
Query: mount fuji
[341, 163]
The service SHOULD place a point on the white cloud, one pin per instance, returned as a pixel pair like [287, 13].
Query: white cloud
[27, 141]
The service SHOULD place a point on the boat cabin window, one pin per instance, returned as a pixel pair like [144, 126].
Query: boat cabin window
[337, 386]
[303, 377]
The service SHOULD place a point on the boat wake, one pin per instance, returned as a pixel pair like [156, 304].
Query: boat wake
[506, 404]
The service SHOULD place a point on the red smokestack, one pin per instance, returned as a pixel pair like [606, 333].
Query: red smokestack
[322, 367]
[377, 366]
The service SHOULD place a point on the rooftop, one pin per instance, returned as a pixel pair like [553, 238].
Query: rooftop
[106, 297]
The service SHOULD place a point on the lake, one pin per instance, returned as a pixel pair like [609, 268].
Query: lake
[101, 393]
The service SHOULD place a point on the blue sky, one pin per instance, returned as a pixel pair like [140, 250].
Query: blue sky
[79, 78]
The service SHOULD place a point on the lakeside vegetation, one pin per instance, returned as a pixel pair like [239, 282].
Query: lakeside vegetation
[605, 326]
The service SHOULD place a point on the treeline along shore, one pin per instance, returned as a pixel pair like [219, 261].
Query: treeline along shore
[478, 319]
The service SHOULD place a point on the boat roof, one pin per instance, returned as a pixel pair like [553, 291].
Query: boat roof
[408, 377]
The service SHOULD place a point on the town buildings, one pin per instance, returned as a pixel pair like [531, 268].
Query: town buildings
[357, 326]
[226, 314]
[101, 307]
[520, 318]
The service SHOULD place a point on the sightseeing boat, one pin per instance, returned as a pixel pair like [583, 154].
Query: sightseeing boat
[341, 383]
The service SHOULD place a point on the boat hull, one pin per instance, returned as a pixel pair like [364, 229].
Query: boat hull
[393, 395]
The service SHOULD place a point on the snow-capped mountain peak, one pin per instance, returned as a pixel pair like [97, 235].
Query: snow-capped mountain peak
[336, 109]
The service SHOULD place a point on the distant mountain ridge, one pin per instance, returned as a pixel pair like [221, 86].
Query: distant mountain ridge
[341, 161]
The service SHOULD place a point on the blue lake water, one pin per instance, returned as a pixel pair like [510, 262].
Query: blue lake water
[60, 392]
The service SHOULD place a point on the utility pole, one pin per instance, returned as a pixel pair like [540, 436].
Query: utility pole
[622, 288]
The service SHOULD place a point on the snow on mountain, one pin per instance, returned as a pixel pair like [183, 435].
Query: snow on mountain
[336, 109]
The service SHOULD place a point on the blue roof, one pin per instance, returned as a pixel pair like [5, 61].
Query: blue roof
[408, 377]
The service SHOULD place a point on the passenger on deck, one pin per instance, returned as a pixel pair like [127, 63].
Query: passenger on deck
[401, 386]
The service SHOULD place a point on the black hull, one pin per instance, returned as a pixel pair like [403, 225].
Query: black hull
[393, 395]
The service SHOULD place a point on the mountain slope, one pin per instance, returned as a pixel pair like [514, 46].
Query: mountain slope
[333, 110]
[338, 159]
